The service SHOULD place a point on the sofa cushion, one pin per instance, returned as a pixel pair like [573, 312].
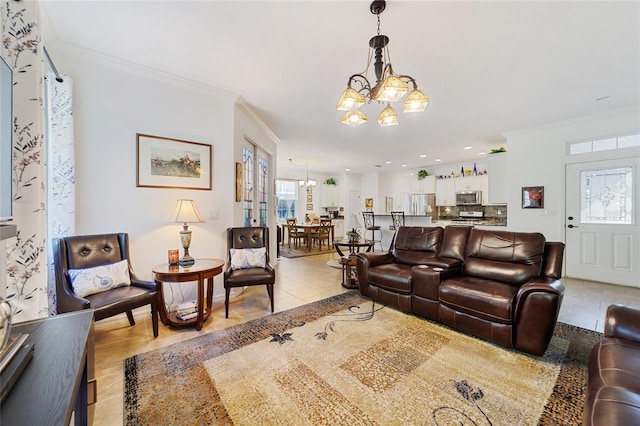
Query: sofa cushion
[392, 276]
[454, 242]
[478, 297]
[511, 257]
[615, 362]
[612, 406]
[415, 245]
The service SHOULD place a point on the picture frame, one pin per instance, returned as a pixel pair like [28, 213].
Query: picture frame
[172, 163]
[238, 182]
[388, 204]
[532, 197]
[309, 207]
[309, 198]
[368, 203]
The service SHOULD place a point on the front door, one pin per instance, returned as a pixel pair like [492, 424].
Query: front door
[602, 221]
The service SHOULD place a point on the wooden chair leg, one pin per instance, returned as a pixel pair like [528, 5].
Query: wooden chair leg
[270, 292]
[130, 317]
[226, 302]
[154, 319]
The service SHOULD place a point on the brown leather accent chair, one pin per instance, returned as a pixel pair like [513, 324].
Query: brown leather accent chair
[613, 391]
[88, 251]
[245, 238]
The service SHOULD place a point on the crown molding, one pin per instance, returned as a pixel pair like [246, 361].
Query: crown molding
[246, 108]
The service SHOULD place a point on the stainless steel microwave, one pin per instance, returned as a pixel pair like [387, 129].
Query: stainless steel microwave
[466, 198]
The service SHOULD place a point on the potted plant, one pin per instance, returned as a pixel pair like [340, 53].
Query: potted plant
[353, 235]
[422, 174]
[331, 181]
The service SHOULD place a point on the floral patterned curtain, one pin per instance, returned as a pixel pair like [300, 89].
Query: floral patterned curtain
[26, 254]
[60, 167]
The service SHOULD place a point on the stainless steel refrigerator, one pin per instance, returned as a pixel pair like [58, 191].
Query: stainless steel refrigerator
[421, 205]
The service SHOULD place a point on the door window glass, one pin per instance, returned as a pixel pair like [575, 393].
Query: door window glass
[247, 185]
[606, 196]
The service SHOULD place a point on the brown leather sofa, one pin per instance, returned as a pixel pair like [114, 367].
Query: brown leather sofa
[501, 286]
[613, 392]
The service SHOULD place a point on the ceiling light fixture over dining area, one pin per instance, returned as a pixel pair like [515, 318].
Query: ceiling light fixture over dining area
[389, 87]
[307, 183]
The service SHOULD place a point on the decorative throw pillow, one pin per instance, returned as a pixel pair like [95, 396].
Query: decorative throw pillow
[248, 258]
[86, 282]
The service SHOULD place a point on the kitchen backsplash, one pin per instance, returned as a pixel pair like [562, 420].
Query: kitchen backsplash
[494, 214]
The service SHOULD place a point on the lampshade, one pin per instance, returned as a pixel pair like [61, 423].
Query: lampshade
[350, 100]
[392, 89]
[186, 212]
[354, 118]
[416, 101]
[354, 223]
[388, 117]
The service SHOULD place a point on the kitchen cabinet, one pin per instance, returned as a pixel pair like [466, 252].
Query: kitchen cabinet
[445, 192]
[498, 178]
[338, 229]
[424, 186]
[331, 196]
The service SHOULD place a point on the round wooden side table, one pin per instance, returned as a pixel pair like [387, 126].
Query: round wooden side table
[202, 269]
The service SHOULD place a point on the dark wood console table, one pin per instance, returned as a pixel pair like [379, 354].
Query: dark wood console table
[54, 383]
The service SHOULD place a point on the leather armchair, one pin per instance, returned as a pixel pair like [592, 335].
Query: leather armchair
[613, 391]
[80, 252]
[244, 238]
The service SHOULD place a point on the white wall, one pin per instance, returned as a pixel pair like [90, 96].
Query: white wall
[537, 157]
[113, 102]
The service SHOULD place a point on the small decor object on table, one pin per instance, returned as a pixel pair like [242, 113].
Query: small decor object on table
[173, 257]
[533, 197]
[353, 235]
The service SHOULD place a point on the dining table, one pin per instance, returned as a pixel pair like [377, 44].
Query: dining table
[309, 228]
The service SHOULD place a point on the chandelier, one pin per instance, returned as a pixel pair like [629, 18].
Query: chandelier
[389, 87]
[307, 183]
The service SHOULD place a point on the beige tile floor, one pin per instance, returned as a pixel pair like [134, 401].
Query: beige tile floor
[299, 281]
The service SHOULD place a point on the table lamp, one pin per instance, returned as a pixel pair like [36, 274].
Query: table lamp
[186, 213]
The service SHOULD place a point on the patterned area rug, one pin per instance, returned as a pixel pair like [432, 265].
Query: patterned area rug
[346, 360]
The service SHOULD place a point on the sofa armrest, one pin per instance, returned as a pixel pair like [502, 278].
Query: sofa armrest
[374, 259]
[536, 307]
[622, 322]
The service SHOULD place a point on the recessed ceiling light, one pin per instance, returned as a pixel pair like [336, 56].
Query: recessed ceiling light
[347, 170]
[468, 147]
[387, 162]
[438, 159]
[403, 165]
[423, 155]
[481, 153]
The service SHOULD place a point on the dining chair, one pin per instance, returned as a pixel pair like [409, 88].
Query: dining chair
[294, 233]
[322, 233]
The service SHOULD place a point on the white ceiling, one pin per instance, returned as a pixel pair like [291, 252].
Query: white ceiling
[487, 67]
